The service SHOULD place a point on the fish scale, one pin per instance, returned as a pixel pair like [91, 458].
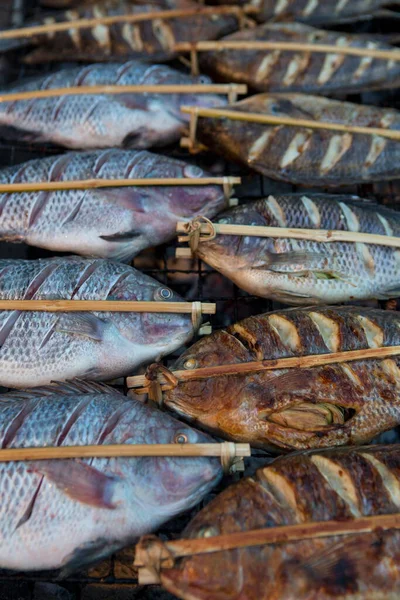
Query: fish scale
[112, 500]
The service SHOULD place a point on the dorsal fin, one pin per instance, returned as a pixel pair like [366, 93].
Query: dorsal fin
[58, 388]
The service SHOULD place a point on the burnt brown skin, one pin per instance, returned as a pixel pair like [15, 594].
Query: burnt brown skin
[305, 72]
[303, 487]
[353, 158]
[254, 407]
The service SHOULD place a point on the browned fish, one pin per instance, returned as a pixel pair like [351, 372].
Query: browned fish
[301, 155]
[301, 488]
[297, 408]
[306, 72]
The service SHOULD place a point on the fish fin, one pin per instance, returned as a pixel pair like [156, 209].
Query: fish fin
[121, 236]
[56, 388]
[85, 324]
[15, 134]
[388, 294]
[310, 261]
[79, 481]
[88, 554]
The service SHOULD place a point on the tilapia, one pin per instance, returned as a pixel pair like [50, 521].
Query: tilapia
[296, 408]
[302, 488]
[309, 272]
[106, 222]
[68, 513]
[134, 120]
[39, 347]
[307, 156]
[154, 39]
[305, 72]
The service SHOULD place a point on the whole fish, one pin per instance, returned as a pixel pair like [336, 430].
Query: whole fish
[306, 72]
[295, 408]
[296, 271]
[68, 513]
[307, 156]
[302, 488]
[134, 120]
[40, 347]
[107, 222]
[154, 38]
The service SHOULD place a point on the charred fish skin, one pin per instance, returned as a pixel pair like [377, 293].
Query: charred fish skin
[307, 156]
[317, 486]
[131, 120]
[67, 513]
[303, 272]
[115, 223]
[304, 72]
[40, 347]
[298, 408]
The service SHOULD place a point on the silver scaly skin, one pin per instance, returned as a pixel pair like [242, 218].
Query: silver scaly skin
[109, 222]
[133, 120]
[304, 272]
[70, 513]
[40, 347]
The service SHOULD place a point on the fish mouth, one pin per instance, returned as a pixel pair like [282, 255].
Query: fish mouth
[312, 417]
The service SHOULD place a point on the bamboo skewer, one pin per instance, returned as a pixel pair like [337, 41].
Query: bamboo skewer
[293, 362]
[249, 117]
[108, 306]
[31, 31]
[150, 563]
[230, 89]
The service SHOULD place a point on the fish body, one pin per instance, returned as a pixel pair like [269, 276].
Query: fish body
[40, 347]
[298, 489]
[132, 120]
[153, 39]
[307, 156]
[68, 513]
[305, 72]
[295, 408]
[308, 272]
[112, 223]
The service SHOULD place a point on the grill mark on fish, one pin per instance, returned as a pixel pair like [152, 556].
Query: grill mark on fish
[19, 173]
[332, 63]
[373, 332]
[281, 6]
[296, 148]
[80, 78]
[74, 212]
[112, 422]
[127, 33]
[37, 208]
[74, 416]
[58, 167]
[163, 33]
[286, 331]
[385, 223]
[310, 7]
[351, 374]
[378, 144]
[340, 481]
[38, 281]
[283, 491]
[337, 148]
[328, 329]
[248, 340]
[312, 211]
[366, 257]
[276, 211]
[390, 367]
[74, 34]
[101, 161]
[3, 202]
[101, 34]
[352, 222]
[8, 326]
[261, 144]
[341, 5]
[17, 423]
[296, 67]
[48, 334]
[389, 481]
[117, 283]
[87, 272]
[365, 63]
[267, 65]
[29, 509]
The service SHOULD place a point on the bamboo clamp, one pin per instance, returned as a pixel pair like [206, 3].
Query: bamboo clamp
[196, 112]
[153, 555]
[201, 230]
[158, 379]
[231, 454]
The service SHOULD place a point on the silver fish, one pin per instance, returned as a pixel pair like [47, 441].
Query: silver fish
[134, 120]
[301, 271]
[69, 513]
[108, 222]
[39, 347]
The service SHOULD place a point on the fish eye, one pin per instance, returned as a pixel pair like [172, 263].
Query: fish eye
[191, 363]
[164, 293]
[181, 438]
[206, 532]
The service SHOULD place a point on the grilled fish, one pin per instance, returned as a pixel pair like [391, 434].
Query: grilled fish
[38, 347]
[297, 408]
[300, 155]
[317, 486]
[306, 72]
[302, 271]
[153, 39]
[108, 222]
[68, 513]
[134, 120]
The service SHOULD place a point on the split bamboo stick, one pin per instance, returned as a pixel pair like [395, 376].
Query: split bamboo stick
[315, 235]
[293, 362]
[8, 188]
[214, 88]
[107, 306]
[249, 117]
[33, 30]
[204, 46]
[123, 450]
